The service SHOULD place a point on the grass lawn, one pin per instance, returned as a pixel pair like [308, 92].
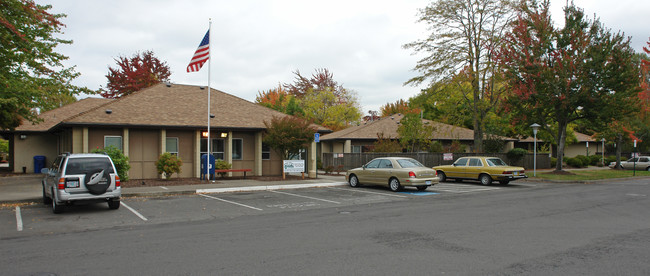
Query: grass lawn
[591, 174]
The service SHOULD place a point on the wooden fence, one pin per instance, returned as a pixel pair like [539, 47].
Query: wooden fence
[346, 161]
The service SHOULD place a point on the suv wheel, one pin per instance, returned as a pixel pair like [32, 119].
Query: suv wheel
[114, 204]
[56, 208]
[98, 181]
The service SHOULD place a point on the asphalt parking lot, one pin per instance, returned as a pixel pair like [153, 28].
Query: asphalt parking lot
[37, 219]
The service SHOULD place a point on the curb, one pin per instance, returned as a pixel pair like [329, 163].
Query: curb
[268, 188]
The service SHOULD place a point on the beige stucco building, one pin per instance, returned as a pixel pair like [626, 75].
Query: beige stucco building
[162, 118]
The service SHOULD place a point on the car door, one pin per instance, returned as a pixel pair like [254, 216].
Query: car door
[473, 169]
[457, 169]
[369, 170]
[629, 165]
[384, 171]
[52, 177]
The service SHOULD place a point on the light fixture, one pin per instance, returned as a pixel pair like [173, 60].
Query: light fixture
[224, 134]
[535, 127]
[204, 134]
[23, 137]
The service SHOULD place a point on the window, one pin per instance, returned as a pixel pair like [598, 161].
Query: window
[237, 149]
[386, 164]
[115, 141]
[172, 145]
[356, 149]
[461, 162]
[475, 162]
[266, 152]
[373, 164]
[216, 148]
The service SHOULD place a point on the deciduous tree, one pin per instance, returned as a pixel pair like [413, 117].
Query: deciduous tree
[31, 71]
[135, 73]
[580, 71]
[413, 134]
[463, 35]
[287, 135]
[398, 107]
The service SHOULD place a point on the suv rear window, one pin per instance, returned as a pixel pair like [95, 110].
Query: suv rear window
[86, 165]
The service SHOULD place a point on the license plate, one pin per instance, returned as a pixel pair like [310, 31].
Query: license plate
[428, 182]
[72, 184]
[516, 173]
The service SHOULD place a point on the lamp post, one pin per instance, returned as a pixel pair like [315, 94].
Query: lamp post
[603, 152]
[535, 128]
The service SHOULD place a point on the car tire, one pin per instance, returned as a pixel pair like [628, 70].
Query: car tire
[56, 207]
[422, 188]
[442, 176]
[485, 179]
[504, 182]
[647, 169]
[353, 181]
[114, 204]
[394, 185]
[46, 200]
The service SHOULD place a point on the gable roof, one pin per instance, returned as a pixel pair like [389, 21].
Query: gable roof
[175, 106]
[55, 116]
[388, 126]
[580, 137]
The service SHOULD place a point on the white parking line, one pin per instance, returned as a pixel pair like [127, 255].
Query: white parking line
[331, 201]
[367, 192]
[461, 188]
[134, 211]
[164, 188]
[19, 219]
[231, 202]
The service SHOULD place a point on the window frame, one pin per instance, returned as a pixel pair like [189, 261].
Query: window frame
[121, 147]
[167, 145]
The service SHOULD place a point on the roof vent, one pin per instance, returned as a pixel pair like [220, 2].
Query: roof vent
[202, 87]
[169, 84]
[398, 122]
[108, 111]
[392, 118]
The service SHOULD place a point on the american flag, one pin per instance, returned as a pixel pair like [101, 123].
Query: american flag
[201, 55]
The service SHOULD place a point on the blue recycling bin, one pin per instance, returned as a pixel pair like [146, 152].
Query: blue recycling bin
[39, 163]
[207, 165]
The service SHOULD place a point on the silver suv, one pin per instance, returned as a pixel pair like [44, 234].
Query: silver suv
[88, 177]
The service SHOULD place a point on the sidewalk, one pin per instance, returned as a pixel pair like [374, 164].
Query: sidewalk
[27, 188]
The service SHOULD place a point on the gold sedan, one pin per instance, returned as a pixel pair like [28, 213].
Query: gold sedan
[396, 172]
[481, 168]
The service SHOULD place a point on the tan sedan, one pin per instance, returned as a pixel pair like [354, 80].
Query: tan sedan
[481, 168]
[394, 172]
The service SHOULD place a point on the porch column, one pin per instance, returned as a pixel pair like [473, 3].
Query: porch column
[77, 140]
[163, 146]
[312, 160]
[125, 142]
[228, 149]
[347, 146]
[84, 139]
[258, 154]
[197, 153]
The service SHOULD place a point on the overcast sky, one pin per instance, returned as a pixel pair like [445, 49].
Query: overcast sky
[258, 44]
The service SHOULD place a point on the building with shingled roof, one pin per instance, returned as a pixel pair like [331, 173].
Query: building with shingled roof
[162, 118]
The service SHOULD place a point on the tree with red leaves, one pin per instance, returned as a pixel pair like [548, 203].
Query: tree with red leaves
[32, 74]
[580, 71]
[135, 73]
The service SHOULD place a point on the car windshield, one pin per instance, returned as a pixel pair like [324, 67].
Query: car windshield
[409, 163]
[86, 165]
[495, 162]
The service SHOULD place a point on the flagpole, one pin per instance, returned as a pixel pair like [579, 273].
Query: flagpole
[207, 166]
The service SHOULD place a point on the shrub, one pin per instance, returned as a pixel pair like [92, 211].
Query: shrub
[610, 159]
[574, 162]
[222, 165]
[584, 159]
[595, 160]
[553, 162]
[120, 161]
[169, 164]
[515, 155]
[436, 147]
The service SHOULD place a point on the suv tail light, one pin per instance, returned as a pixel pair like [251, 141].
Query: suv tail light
[411, 174]
[61, 185]
[117, 181]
